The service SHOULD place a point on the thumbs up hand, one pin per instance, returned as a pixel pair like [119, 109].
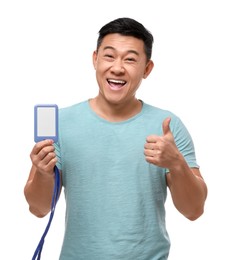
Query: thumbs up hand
[162, 150]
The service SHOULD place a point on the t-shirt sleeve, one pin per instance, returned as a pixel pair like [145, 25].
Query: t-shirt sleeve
[184, 142]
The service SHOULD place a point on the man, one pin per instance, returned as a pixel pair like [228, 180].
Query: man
[116, 156]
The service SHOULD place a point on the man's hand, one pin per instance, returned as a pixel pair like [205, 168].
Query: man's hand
[43, 157]
[162, 150]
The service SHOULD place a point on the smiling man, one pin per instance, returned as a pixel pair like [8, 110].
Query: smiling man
[117, 155]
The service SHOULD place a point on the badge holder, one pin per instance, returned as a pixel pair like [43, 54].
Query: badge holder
[46, 127]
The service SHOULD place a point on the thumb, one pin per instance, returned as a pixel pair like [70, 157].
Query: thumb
[166, 126]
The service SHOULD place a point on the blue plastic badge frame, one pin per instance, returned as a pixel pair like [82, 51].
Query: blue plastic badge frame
[45, 122]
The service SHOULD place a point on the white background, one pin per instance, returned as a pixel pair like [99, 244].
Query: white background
[45, 57]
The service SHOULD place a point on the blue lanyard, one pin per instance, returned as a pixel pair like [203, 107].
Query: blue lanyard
[37, 253]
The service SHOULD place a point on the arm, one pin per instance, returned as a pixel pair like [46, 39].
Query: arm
[188, 190]
[187, 187]
[40, 184]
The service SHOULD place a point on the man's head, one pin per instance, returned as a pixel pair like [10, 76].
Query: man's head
[122, 60]
[128, 27]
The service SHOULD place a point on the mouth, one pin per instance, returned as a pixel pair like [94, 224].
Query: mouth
[116, 84]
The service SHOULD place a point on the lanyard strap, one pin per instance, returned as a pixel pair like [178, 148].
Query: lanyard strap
[37, 253]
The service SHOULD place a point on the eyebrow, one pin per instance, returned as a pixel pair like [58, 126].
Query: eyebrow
[129, 51]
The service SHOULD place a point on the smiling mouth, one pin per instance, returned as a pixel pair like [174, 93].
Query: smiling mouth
[116, 84]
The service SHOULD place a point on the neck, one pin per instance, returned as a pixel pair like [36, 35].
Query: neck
[115, 112]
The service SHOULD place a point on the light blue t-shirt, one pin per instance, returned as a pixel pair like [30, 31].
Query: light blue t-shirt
[114, 198]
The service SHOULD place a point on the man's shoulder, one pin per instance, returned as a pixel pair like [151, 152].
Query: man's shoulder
[74, 107]
[154, 110]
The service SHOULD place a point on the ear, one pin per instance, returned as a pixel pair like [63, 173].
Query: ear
[94, 58]
[148, 69]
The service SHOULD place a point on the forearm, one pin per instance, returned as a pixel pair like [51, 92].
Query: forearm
[38, 192]
[188, 190]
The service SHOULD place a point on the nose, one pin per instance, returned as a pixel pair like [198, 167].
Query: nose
[117, 67]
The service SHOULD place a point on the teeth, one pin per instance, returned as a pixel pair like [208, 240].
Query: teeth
[117, 81]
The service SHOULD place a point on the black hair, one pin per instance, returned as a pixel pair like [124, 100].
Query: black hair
[128, 27]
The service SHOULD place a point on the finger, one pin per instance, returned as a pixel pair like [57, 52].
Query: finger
[47, 169]
[37, 159]
[148, 153]
[152, 139]
[40, 145]
[44, 151]
[150, 146]
[152, 152]
[48, 163]
[166, 126]
[49, 157]
[153, 157]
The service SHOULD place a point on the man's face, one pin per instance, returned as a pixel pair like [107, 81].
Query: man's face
[120, 65]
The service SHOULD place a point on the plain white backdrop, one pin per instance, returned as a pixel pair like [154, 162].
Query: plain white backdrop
[46, 57]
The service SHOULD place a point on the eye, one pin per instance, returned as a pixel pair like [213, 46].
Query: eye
[130, 60]
[108, 55]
